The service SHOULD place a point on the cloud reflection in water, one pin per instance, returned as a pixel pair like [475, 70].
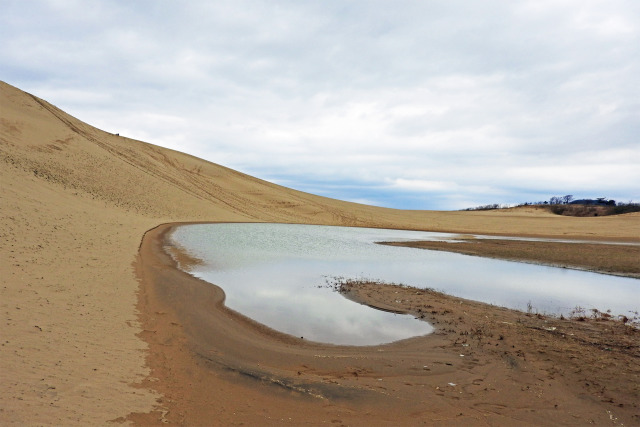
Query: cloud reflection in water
[273, 273]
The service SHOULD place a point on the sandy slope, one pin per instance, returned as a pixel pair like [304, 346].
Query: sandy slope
[74, 204]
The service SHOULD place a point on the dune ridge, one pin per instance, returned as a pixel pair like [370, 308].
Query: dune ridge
[75, 202]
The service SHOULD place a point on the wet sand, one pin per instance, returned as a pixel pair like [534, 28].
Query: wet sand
[483, 365]
[619, 260]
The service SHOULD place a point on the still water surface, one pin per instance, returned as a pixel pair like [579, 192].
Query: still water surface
[276, 274]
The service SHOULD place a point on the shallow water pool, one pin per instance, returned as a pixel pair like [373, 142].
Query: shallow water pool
[276, 274]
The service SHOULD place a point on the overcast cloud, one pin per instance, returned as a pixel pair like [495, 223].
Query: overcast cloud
[406, 104]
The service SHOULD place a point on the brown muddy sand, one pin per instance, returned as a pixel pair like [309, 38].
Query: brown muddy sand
[484, 365]
[619, 260]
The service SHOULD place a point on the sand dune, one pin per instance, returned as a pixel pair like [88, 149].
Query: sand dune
[75, 202]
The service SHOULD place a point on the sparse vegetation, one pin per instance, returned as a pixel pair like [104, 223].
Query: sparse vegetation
[568, 206]
[345, 286]
[488, 207]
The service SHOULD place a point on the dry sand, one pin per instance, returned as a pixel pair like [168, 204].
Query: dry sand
[75, 203]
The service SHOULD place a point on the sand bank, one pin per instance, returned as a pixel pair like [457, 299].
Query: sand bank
[619, 260]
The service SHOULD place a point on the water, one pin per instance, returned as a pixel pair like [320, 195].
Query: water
[274, 273]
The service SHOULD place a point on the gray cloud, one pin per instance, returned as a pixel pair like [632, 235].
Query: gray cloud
[405, 104]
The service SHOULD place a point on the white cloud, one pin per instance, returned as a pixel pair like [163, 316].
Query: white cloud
[410, 104]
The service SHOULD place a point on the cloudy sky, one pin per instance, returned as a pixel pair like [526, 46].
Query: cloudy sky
[408, 104]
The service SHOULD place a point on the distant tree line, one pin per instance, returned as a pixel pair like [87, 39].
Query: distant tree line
[487, 207]
[561, 200]
[582, 207]
[622, 208]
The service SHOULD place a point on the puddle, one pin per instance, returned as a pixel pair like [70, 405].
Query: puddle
[276, 274]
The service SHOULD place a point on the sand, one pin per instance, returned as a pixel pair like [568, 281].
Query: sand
[484, 365]
[77, 347]
[617, 259]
